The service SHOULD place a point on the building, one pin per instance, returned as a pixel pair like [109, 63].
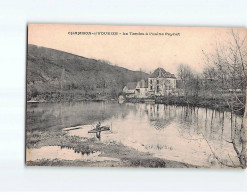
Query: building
[161, 83]
[141, 89]
[130, 89]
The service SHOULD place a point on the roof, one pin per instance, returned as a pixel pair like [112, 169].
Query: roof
[131, 85]
[161, 73]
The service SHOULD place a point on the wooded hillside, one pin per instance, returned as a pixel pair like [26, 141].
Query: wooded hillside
[54, 75]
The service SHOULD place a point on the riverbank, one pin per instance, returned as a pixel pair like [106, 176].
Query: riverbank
[76, 96]
[65, 101]
[128, 157]
[218, 104]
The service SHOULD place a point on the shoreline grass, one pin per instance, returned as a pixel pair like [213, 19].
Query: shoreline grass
[129, 157]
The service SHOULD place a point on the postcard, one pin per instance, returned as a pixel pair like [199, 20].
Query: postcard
[136, 96]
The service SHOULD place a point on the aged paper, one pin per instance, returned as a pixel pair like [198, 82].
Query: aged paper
[136, 96]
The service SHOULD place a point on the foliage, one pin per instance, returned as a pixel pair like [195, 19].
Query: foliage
[60, 76]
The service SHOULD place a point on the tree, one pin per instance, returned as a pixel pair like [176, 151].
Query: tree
[227, 67]
[190, 82]
[185, 74]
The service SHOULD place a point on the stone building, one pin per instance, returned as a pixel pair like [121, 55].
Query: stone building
[161, 83]
[141, 89]
[130, 89]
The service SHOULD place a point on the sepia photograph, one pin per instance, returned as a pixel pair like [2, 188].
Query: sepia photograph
[136, 96]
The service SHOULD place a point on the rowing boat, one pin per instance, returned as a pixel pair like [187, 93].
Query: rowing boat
[103, 128]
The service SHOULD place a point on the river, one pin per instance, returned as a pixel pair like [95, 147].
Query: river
[185, 134]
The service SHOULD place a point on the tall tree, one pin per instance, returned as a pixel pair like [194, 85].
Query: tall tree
[227, 66]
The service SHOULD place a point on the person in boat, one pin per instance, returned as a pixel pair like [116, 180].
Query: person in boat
[98, 126]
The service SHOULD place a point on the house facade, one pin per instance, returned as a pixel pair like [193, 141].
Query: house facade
[141, 89]
[159, 83]
[130, 89]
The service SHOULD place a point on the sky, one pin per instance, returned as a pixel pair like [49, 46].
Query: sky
[177, 45]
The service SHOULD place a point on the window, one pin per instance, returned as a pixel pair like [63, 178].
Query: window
[151, 87]
[151, 82]
[157, 82]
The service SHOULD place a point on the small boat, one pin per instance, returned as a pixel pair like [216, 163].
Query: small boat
[103, 128]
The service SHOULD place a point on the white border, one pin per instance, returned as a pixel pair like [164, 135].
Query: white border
[14, 17]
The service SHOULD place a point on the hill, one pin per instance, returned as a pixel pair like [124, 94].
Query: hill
[54, 75]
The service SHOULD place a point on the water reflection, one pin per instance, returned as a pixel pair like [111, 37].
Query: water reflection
[190, 120]
[64, 153]
[55, 116]
[171, 132]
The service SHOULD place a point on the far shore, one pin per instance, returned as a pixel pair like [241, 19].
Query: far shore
[218, 104]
